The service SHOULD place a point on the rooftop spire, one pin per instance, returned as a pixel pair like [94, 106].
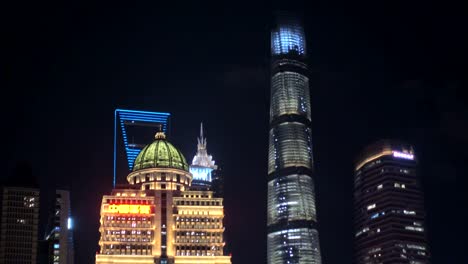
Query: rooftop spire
[201, 139]
[160, 134]
[202, 158]
[201, 130]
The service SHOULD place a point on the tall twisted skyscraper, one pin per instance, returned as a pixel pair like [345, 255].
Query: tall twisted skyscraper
[292, 229]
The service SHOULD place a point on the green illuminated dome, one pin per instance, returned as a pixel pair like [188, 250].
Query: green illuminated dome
[160, 154]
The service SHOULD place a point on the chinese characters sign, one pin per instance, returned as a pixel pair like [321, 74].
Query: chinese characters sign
[129, 209]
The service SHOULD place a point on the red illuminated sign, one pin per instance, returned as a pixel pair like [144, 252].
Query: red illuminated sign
[129, 209]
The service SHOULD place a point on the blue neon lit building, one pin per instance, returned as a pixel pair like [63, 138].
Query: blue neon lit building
[134, 129]
[292, 221]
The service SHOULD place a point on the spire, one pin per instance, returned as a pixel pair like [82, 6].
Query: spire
[201, 130]
[201, 139]
[160, 134]
[202, 158]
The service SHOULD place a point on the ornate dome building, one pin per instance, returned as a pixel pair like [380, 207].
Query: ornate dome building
[156, 218]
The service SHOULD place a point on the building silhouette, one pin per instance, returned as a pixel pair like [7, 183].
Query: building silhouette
[292, 220]
[19, 217]
[58, 242]
[388, 206]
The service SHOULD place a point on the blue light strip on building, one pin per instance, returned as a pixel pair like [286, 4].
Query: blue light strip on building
[134, 115]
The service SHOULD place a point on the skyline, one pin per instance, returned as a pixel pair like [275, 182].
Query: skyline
[117, 62]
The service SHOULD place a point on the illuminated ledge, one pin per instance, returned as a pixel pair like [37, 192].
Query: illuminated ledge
[202, 260]
[148, 259]
[124, 259]
[387, 152]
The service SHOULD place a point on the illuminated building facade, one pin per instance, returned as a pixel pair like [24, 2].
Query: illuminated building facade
[19, 225]
[136, 128]
[59, 239]
[156, 218]
[388, 206]
[202, 166]
[292, 221]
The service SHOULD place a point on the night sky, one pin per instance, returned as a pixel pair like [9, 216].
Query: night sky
[379, 69]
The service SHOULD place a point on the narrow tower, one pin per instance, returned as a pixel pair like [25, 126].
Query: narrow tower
[292, 221]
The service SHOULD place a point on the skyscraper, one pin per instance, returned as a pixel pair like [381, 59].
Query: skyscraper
[19, 225]
[136, 128]
[156, 218]
[292, 220]
[19, 217]
[59, 237]
[203, 165]
[388, 206]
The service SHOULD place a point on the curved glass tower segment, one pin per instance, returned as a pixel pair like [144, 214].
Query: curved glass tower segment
[290, 146]
[289, 94]
[292, 221]
[287, 37]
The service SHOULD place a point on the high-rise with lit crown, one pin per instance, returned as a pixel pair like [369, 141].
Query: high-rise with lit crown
[203, 165]
[388, 206]
[292, 221]
[156, 218]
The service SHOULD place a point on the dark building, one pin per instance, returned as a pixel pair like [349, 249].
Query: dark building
[59, 236]
[217, 182]
[19, 218]
[292, 221]
[388, 206]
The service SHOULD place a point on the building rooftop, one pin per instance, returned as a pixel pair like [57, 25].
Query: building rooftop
[160, 154]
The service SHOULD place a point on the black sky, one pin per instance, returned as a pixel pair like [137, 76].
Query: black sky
[379, 69]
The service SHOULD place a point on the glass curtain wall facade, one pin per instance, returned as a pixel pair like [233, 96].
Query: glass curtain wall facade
[389, 215]
[292, 222]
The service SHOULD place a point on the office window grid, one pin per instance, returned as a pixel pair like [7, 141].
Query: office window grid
[290, 95]
[294, 246]
[290, 146]
[291, 198]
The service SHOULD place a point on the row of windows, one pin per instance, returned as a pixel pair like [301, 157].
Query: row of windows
[21, 227]
[416, 227]
[203, 203]
[128, 239]
[196, 196]
[127, 224]
[199, 226]
[20, 205]
[128, 232]
[199, 240]
[196, 233]
[198, 219]
[128, 201]
[125, 218]
[20, 196]
[198, 253]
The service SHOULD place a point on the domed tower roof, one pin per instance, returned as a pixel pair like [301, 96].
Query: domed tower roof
[160, 154]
